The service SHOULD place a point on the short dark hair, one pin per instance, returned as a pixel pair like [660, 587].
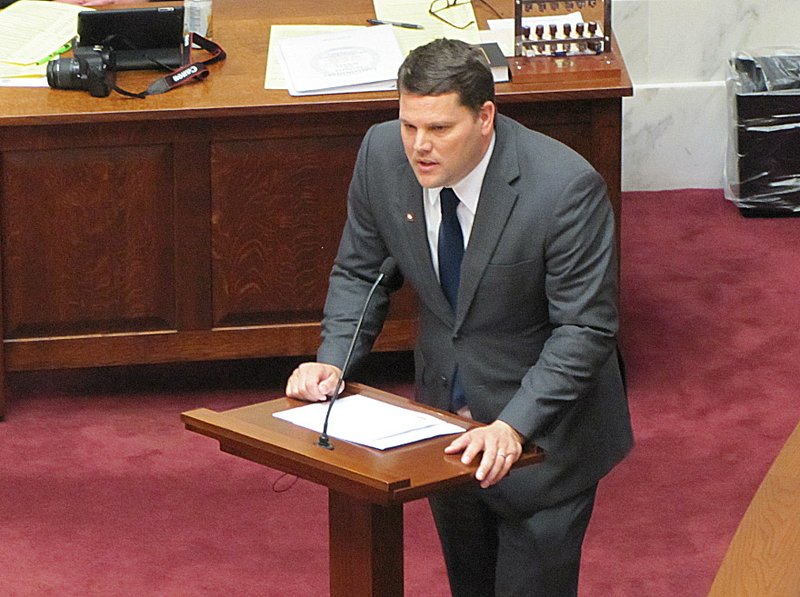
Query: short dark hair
[446, 66]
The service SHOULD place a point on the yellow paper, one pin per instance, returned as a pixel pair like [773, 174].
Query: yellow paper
[22, 70]
[33, 30]
[416, 11]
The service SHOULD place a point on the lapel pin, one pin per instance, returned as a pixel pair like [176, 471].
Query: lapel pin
[410, 217]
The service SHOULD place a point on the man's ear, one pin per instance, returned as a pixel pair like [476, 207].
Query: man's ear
[487, 113]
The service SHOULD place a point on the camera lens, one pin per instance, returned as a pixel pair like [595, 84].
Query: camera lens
[65, 73]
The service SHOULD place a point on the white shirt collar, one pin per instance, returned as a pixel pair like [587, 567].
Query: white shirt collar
[468, 188]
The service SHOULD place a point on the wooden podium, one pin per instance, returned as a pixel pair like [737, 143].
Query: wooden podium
[366, 487]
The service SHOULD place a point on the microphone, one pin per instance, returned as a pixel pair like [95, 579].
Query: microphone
[387, 270]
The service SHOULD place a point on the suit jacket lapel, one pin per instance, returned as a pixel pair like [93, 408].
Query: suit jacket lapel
[494, 208]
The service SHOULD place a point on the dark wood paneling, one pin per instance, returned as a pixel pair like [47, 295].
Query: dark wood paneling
[88, 240]
[192, 168]
[280, 189]
[278, 211]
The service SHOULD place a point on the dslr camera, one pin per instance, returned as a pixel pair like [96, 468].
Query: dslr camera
[110, 41]
[90, 69]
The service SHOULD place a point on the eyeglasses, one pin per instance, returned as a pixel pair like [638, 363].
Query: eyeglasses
[439, 7]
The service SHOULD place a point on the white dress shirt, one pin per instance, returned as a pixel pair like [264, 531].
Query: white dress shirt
[468, 190]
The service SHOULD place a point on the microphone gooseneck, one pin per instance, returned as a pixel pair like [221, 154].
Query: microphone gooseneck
[387, 269]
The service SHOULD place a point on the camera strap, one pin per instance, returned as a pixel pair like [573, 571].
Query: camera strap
[194, 71]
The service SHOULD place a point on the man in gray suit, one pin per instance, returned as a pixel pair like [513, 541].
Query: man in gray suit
[526, 339]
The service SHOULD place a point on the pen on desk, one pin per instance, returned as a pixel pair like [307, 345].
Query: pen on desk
[395, 23]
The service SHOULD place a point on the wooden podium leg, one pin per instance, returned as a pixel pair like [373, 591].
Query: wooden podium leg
[366, 547]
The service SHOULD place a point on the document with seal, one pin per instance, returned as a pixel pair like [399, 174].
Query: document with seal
[274, 77]
[362, 59]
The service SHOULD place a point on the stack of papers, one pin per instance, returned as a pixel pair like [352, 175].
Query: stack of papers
[345, 67]
[369, 422]
[31, 33]
[357, 59]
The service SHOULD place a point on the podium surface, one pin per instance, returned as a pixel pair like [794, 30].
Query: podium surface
[367, 487]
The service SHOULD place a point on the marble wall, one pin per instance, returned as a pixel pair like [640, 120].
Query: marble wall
[675, 125]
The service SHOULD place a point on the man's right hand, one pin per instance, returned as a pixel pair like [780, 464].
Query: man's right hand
[314, 382]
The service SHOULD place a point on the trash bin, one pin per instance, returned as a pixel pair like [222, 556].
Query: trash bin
[762, 171]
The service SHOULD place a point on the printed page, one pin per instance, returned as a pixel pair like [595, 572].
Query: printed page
[275, 78]
[33, 30]
[365, 55]
[369, 422]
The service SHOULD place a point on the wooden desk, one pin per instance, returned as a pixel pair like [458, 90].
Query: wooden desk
[763, 559]
[202, 224]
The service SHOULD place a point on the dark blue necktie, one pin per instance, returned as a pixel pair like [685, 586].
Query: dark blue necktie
[451, 246]
[451, 252]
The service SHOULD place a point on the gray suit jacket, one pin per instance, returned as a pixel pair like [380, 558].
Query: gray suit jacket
[534, 334]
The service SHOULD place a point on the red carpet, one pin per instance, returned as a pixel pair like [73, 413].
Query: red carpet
[711, 314]
[102, 492]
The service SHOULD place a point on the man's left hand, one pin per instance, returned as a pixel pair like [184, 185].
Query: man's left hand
[501, 445]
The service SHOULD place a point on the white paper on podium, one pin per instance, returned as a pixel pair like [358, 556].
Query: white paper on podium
[369, 422]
